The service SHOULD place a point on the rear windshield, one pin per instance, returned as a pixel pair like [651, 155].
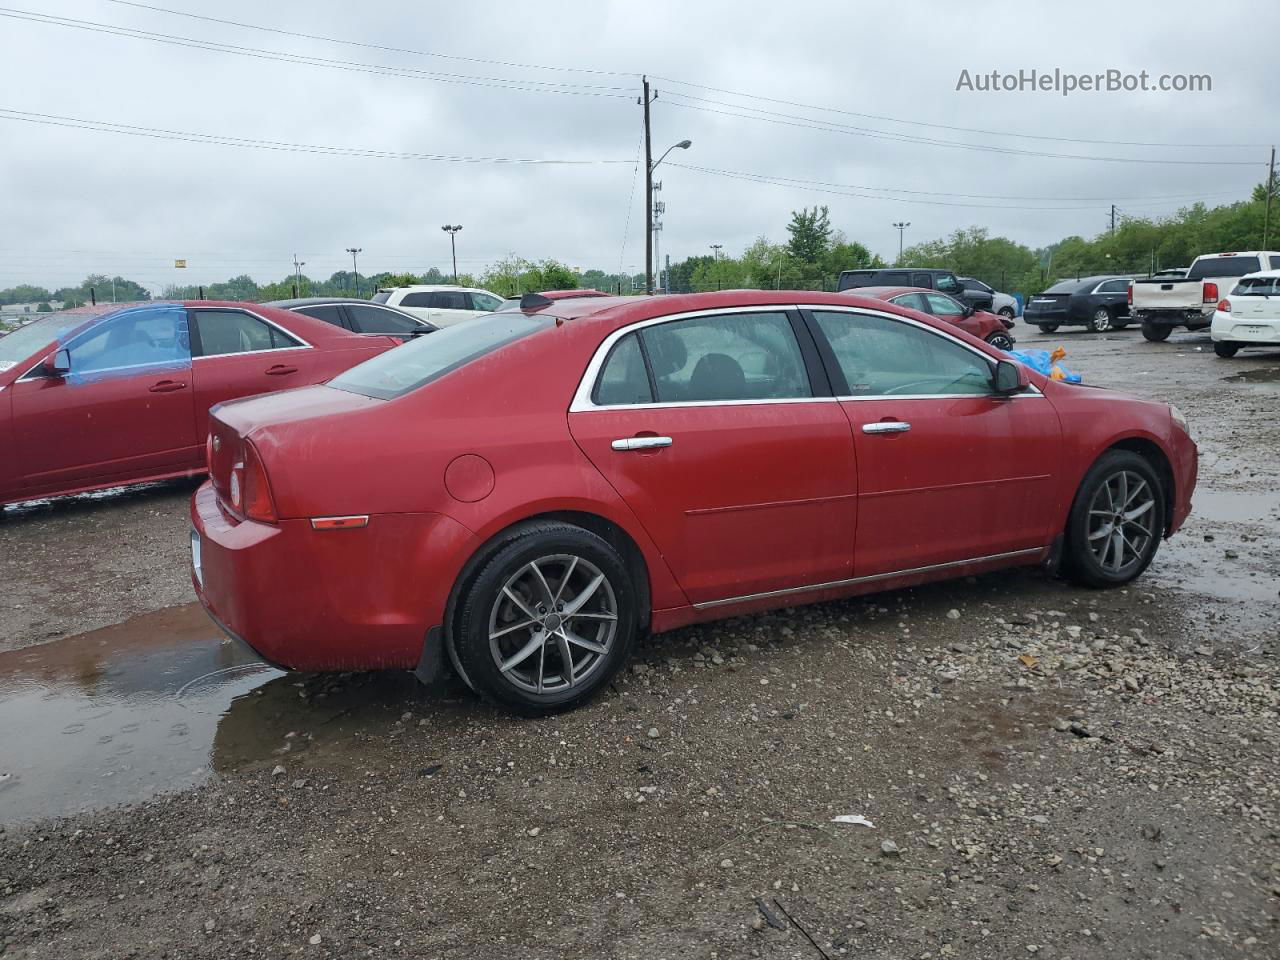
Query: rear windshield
[1223, 267]
[1069, 286]
[1257, 287]
[382, 296]
[23, 342]
[404, 369]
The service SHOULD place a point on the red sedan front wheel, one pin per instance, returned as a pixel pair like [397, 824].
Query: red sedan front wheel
[549, 619]
[1116, 522]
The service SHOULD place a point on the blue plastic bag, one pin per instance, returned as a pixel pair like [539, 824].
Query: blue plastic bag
[1042, 362]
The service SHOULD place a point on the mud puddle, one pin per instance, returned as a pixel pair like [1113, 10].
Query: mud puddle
[161, 702]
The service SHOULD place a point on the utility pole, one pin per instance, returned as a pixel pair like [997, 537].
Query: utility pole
[648, 191]
[1113, 218]
[453, 246]
[715, 251]
[297, 275]
[901, 226]
[1271, 188]
[354, 251]
[659, 208]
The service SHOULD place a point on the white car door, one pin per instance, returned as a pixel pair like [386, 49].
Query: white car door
[416, 302]
[449, 307]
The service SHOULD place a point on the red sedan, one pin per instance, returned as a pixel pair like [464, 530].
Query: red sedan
[526, 492]
[986, 326]
[105, 396]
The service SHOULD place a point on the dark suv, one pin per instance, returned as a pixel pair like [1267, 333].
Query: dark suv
[926, 278]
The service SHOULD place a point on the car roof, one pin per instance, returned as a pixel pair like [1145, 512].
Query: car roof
[883, 293]
[1264, 274]
[316, 301]
[428, 287]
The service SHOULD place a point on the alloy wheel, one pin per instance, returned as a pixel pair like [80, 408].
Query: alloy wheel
[1101, 320]
[553, 624]
[1122, 521]
[1001, 341]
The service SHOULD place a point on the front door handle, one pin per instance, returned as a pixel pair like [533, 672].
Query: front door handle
[641, 443]
[886, 426]
[167, 386]
[280, 370]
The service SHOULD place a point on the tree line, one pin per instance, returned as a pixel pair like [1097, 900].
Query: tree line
[811, 258]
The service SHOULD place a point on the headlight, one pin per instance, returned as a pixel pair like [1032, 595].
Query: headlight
[1179, 419]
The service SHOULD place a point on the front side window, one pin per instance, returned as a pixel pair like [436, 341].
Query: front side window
[485, 302]
[369, 319]
[741, 356]
[948, 284]
[880, 357]
[943, 306]
[233, 331]
[137, 338]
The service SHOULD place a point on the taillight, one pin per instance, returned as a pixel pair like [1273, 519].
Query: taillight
[256, 490]
[208, 453]
[1210, 292]
[1128, 292]
[1224, 306]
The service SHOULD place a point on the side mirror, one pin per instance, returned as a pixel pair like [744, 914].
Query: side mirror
[1009, 378]
[57, 364]
[969, 309]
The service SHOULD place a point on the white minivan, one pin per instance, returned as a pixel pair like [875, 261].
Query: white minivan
[440, 304]
[1249, 316]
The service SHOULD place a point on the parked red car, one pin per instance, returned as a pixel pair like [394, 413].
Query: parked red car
[112, 395]
[990, 327]
[527, 491]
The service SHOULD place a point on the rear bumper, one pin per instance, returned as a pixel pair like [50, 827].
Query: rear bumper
[1172, 318]
[353, 599]
[1237, 329]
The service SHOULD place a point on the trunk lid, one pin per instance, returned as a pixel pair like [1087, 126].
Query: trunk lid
[1163, 294]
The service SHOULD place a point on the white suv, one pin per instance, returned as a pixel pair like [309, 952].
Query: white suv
[1249, 316]
[440, 304]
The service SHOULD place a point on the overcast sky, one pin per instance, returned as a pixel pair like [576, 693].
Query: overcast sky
[76, 201]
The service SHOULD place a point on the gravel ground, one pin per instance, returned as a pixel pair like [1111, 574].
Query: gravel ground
[1049, 771]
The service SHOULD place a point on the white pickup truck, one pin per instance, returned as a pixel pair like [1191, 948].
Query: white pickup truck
[1162, 303]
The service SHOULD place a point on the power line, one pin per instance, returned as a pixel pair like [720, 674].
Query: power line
[369, 46]
[161, 133]
[830, 127]
[257, 53]
[922, 123]
[947, 193]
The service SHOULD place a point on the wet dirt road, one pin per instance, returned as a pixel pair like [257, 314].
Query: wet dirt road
[1049, 771]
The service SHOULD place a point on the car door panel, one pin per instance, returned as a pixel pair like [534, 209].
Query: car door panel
[110, 418]
[947, 470]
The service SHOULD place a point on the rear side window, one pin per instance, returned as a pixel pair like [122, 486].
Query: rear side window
[370, 319]
[223, 332]
[397, 372]
[329, 313]
[450, 300]
[913, 301]
[1114, 286]
[741, 356]
[416, 300]
[624, 379]
[1223, 267]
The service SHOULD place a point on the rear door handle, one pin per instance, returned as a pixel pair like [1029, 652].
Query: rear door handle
[641, 443]
[279, 370]
[886, 426]
[167, 386]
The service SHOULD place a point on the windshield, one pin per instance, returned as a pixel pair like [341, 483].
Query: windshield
[23, 342]
[1223, 267]
[404, 369]
[1068, 286]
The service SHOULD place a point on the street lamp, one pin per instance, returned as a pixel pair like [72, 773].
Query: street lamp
[453, 245]
[648, 193]
[901, 226]
[355, 269]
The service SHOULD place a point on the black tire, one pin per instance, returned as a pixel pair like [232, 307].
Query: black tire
[1156, 332]
[1225, 350]
[1100, 322]
[1001, 341]
[1007, 313]
[1081, 563]
[1048, 327]
[485, 604]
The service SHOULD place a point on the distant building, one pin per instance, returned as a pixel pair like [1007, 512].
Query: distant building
[28, 311]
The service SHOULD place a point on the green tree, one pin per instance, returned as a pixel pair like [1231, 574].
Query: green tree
[810, 232]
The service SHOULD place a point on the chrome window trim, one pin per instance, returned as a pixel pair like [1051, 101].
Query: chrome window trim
[872, 578]
[302, 345]
[583, 403]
